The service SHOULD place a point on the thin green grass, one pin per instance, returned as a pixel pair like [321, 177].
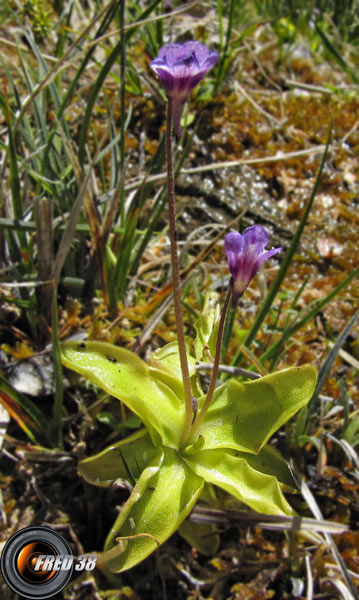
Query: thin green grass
[285, 264]
[303, 317]
[57, 415]
[55, 161]
[328, 363]
[27, 415]
[69, 106]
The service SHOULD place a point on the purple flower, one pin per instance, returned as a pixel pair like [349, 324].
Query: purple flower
[245, 255]
[180, 67]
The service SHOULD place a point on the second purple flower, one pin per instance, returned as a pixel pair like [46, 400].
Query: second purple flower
[245, 254]
[180, 67]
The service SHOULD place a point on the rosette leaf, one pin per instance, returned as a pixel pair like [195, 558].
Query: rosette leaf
[207, 326]
[243, 416]
[233, 473]
[270, 462]
[167, 359]
[123, 460]
[162, 498]
[124, 375]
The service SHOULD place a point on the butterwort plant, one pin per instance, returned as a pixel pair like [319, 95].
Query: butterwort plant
[190, 436]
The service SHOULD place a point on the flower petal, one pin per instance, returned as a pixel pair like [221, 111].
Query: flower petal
[255, 236]
[268, 254]
[233, 245]
[180, 67]
[245, 255]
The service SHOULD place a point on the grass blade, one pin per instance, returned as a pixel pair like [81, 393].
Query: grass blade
[297, 323]
[309, 498]
[25, 412]
[57, 414]
[44, 242]
[14, 173]
[110, 11]
[272, 292]
[114, 55]
[339, 59]
[328, 363]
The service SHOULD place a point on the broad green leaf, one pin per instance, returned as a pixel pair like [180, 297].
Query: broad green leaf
[124, 460]
[167, 358]
[207, 325]
[243, 416]
[271, 462]
[170, 381]
[201, 536]
[124, 375]
[232, 473]
[166, 366]
[160, 501]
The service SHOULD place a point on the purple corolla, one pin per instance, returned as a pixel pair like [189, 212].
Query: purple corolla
[245, 254]
[180, 67]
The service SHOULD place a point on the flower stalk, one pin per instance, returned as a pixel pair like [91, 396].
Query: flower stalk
[180, 67]
[245, 254]
[212, 385]
[176, 277]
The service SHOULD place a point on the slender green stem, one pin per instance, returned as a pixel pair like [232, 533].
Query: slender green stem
[217, 359]
[123, 109]
[57, 414]
[176, 278]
